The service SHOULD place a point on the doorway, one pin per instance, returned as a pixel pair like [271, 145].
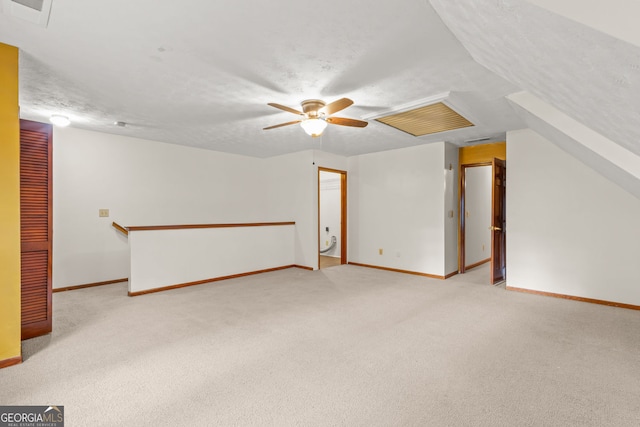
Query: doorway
[332, 217]
[476, 204]
[482, 213]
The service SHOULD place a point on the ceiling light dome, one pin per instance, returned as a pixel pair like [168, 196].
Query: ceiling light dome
[313, 127]
[59, 120]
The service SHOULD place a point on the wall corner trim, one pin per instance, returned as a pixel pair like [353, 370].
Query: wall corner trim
[450, 275]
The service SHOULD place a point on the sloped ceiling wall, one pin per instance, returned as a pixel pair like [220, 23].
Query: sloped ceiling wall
[596, 151]
[589, 75]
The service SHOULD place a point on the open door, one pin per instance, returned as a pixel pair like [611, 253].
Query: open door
[498, 222]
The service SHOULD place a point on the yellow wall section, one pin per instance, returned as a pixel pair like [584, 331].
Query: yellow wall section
[483, 153]
[9, 206]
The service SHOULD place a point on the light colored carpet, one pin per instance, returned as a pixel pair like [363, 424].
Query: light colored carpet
[344, 346]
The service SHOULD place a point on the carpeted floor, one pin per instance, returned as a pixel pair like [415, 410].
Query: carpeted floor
[343, 346]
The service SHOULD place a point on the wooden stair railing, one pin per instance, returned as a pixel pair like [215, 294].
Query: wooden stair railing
[120, 228]
[125, 230]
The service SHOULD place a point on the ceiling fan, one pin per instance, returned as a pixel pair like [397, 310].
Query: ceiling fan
[316, 114]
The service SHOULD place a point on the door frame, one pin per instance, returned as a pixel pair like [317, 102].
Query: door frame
[474, 155]
[498, 221]
[461, 213]
[343, 213]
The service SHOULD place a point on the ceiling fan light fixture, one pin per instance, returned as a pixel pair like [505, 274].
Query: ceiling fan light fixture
[316, 115]
[313, 127]
[59, 120]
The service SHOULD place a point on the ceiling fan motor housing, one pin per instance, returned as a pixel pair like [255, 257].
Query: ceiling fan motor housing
[311, 107]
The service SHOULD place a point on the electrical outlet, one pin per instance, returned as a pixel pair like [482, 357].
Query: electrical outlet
[103, 213]
[482, 248]
[380, 251]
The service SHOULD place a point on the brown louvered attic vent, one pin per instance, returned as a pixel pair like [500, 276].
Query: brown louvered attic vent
[426, 120]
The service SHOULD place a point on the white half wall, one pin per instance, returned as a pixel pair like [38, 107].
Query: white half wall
[477, 213]
[571, 231]
[396, 203]
[161, 258]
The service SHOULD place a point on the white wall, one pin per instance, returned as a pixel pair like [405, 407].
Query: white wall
[396, 202]
[291, 192]
[570, 230]
[330, 161]
[477, 197]
[451, 174]
[330, 211]
[141, 183]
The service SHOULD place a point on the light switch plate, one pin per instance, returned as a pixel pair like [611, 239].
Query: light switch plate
[103, 213]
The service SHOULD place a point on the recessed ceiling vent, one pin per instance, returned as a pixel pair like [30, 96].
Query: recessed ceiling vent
[426, 120]
[34, 11]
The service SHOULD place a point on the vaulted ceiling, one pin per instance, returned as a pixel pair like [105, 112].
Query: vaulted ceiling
[589, 75]
[200, 73]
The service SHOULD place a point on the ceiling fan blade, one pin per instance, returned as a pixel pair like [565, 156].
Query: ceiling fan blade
[285, 108]
[282, 124]
[335, 106]
[346, 122]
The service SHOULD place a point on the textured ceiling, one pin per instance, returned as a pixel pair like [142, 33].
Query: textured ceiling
[589, 75]
[200, 73]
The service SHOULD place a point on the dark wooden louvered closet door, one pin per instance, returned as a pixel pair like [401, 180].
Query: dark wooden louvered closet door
[36, 227]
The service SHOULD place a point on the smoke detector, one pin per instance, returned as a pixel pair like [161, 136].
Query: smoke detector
[33, 11]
